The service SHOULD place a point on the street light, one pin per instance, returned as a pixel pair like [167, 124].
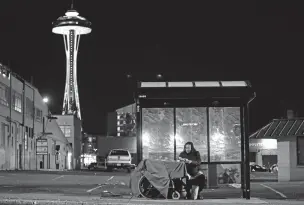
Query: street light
[159, 76]
[45, 99]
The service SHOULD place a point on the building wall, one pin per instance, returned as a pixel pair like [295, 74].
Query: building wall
[263, 151]
[112, 124]
[129, 108]
[21, 125]
[74, 137]
[287, 160]
[117, 123]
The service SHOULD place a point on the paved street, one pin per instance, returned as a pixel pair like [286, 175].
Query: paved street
[91, 185]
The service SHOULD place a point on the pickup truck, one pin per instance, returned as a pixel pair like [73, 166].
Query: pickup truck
[119, 159]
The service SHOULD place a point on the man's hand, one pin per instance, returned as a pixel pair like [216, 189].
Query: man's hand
[182, 159]
[188, 161]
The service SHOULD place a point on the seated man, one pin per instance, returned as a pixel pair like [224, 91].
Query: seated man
[196, 183]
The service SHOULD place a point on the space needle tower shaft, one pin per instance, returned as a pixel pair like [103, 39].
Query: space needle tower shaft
[71, 26]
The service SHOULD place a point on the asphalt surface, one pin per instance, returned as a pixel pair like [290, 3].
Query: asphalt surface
[102, 186]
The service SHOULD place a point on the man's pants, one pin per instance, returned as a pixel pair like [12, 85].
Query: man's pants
[199, 182]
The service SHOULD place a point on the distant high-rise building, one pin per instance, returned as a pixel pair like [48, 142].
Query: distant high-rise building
[122, 122]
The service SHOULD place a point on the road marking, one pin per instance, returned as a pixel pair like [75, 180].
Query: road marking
[58, 177]
[90, 190]
[281, 194]
[110, 178]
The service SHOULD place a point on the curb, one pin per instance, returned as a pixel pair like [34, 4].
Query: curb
[136, 201]
[127, 201]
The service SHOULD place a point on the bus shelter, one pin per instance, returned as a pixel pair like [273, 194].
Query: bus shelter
[211, 114]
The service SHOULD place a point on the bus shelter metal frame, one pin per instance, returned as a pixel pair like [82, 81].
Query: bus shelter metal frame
[161, 95]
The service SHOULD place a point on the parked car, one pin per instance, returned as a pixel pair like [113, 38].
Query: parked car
[119, 159]
[258, 168]
[274, 168]
[100, 164]
[92, 166]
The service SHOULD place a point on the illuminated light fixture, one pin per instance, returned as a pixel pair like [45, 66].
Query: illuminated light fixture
[207, 84]
[180, 84]
[45, 99]
[234, 83]
[153, 84]
[159, 76]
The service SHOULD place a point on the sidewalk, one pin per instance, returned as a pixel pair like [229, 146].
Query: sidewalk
[49, 199]
[263, 177]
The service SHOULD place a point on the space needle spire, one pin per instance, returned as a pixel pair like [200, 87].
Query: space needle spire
[71, 26]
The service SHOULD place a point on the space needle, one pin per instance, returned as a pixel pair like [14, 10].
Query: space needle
[71, 26]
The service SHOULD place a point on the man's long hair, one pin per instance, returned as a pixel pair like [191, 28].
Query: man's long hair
[193, 150]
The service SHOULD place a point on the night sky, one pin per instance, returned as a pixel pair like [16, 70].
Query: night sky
[216, 40]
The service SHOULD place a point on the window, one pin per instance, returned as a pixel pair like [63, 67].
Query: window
[38, 115]
[2, 137]
[4, 94]
[191, 126]
[300, 150]
[66, 129]
[225, 135]
[119, 152]
[158, 133]
[29, 108]
[17, 102]
[31, 132]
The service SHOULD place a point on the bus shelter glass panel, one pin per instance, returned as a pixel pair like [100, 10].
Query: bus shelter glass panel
[229, 174]
[191, 126]
[225, 134]
[158, 133]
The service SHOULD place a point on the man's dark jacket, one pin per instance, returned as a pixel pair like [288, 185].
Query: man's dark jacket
[195, 157]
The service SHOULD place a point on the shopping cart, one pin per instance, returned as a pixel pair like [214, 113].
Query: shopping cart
[159, 179]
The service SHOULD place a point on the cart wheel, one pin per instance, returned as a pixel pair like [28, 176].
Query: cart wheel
[175, 195]
[147, 190]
